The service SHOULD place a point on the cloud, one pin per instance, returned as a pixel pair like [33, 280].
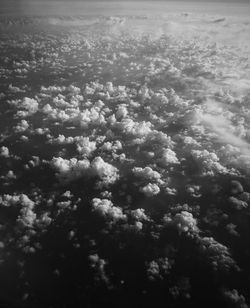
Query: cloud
[146, 173]
[29, 106]
[70, 170]
[105, 171]
[168, 98]
[185, 222]
[105, 208]
[233, 297]
[159, 269]
[168, 157]
[218, 254]
[22, 126]
[100, 267]
[4, 152]
[85, 147]
[223, 128]
[150, 190]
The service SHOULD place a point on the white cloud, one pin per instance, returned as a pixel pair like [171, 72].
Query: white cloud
[104, 131]
[217, 254]
[99, 265]
[168, 157]
[85, 147]
[139, 215]
[105, 208]
[234, 298]
[112, 146]
[105, 171]
[185, 222]
[70, 170]
[210, 162]
[4, 152]
[158, 269]
[14, 89]
[26, 216]
[73, 169]
[29, 106]
[22, 126]
[146, 173]
[12, 200]
[150, 190]
[139, 129]
[121, 112]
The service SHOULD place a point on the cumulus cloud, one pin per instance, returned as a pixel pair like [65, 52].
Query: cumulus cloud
[139, 215]
[218, 254]
[9, 176]
[11, 200]
[105, 208]
[85, 146]
[22, 126]
[112, 146]
[99, 265]
[121, 112]
[209, 162]
[28, 107]
[70, 170]
[150, 190]
[138, 129]
[132, 110]
[168, 157]
[237, 204]
[15, 89]
[4, 152]
[234, 298]
[27, 216]
[158, 269]
[146, 173]
[105, 171]
[185, 222]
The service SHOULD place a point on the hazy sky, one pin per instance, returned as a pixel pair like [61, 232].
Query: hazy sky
[104, 7]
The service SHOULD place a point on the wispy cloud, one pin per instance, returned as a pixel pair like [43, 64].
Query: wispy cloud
[223, 128]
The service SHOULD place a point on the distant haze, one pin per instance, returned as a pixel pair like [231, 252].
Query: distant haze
[120, 7]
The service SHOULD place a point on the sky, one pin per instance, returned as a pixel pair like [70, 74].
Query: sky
[116, 7]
